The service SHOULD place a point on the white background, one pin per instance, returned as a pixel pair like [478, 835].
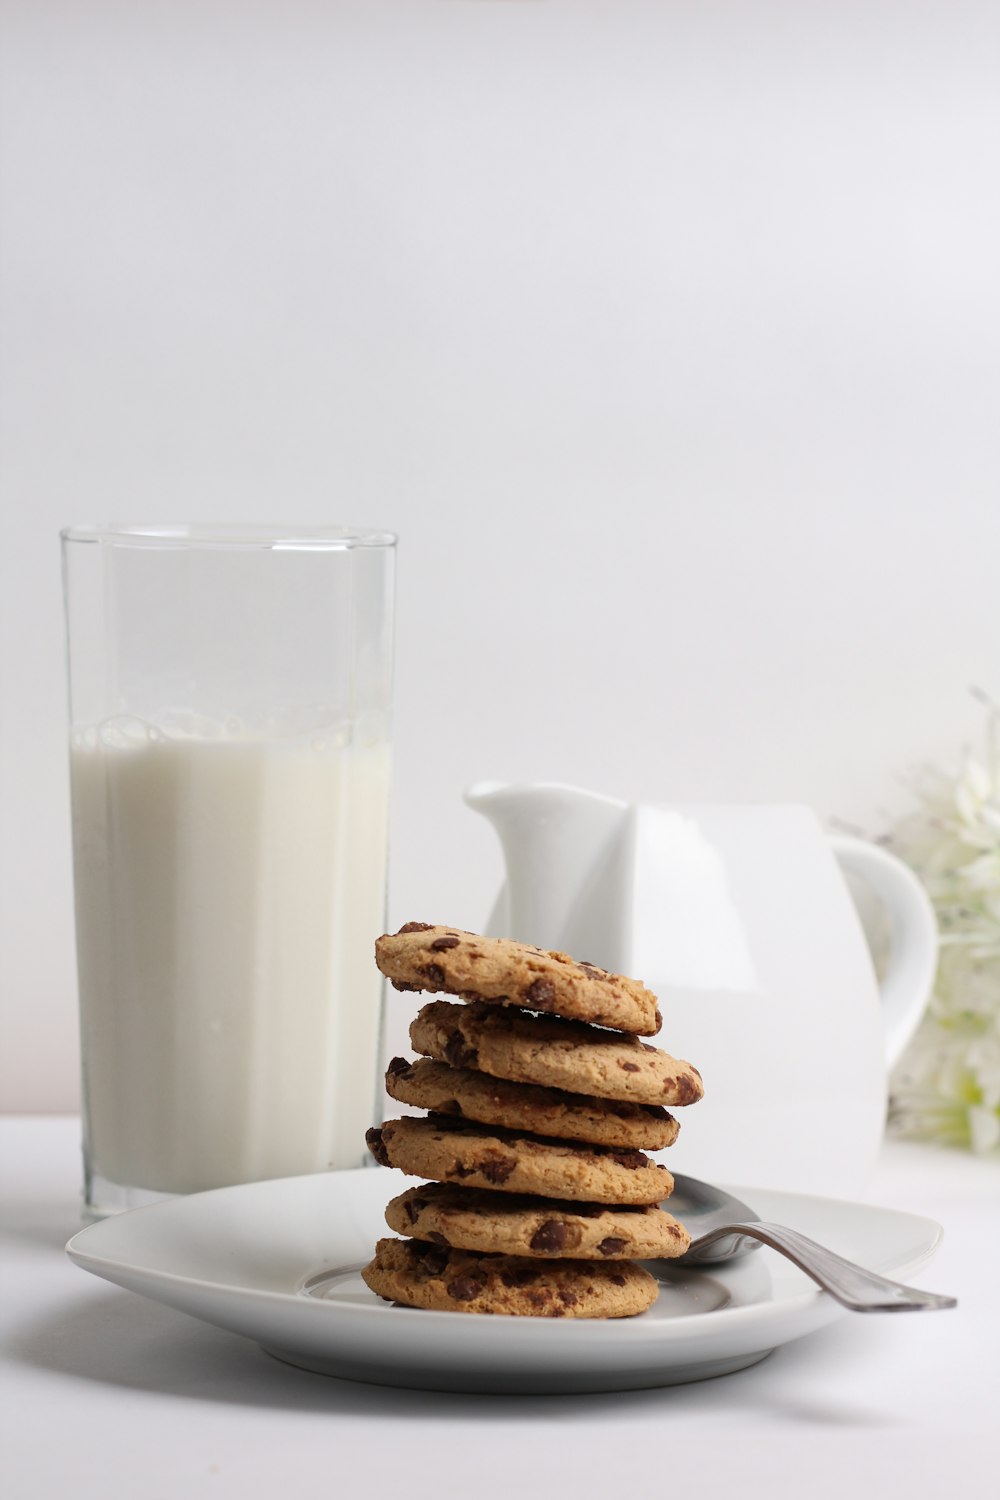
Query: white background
[665, 334]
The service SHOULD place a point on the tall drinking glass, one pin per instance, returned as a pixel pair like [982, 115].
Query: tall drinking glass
[229, 756]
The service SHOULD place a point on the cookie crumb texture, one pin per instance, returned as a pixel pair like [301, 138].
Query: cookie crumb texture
[553, 1053]
[440, 1279]
[471, 1095]
[453, 1151]
[422, 956]
[538, 1199]
[466, 1219]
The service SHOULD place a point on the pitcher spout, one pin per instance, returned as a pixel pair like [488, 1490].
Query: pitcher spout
[557, 841]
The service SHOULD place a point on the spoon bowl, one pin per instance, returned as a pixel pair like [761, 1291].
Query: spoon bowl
[703, 1209]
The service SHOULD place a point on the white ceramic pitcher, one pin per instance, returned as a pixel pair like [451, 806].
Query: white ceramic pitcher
[740, 919]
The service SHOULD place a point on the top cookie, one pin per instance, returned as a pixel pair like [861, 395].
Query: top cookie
[424, 957]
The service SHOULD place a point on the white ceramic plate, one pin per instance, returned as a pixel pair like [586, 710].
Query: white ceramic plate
[278, 1261]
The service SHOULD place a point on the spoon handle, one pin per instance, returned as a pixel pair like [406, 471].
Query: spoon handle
[856, 1288]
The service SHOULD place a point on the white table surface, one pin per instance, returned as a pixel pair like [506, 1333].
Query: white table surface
[103, 1393]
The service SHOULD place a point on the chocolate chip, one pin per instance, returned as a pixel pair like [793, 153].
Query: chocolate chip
[414, 927]
[628, 1067]
[415, 1207]
[541, 994]
[438, 1238]
[376, 1145]
[617, 1280]
[658, 1018]
[687, 1089]
[630, 1159]
[568, 1298]
[464, 1288]
[549, 1236]
[431, 1260]
[612, 1245]
[460, 1171]
[399, 1068]
[459, 1052]
[434, 973]
[439, 944]
[497, 1168]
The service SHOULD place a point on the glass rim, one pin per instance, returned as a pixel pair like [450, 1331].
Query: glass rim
[266, 536]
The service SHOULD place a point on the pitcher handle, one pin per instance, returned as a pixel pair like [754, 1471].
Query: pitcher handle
[912, 964]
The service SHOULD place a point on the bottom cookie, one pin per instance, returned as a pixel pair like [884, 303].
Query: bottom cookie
[447, 1280]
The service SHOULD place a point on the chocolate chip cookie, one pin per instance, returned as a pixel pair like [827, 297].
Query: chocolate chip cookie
[424, 957]
[553, 1053]
[527, 1106]
[430, 1276]
[448, 1150]
[470, 1219]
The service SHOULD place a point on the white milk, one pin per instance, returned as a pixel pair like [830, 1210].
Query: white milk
[228, 896]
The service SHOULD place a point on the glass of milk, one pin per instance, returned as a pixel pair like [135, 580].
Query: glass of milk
[229, 755]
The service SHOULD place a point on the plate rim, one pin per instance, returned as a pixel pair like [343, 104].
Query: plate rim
[667, 1330]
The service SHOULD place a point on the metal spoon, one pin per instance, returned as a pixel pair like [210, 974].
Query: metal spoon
[722, 1227]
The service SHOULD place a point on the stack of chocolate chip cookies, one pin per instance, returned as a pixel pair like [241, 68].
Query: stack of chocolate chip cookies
[543, 1101]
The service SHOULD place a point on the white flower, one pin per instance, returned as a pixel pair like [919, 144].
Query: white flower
[947, 1085]
[984, 1128]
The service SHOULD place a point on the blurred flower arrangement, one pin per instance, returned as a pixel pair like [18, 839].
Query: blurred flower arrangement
[947, 1085]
